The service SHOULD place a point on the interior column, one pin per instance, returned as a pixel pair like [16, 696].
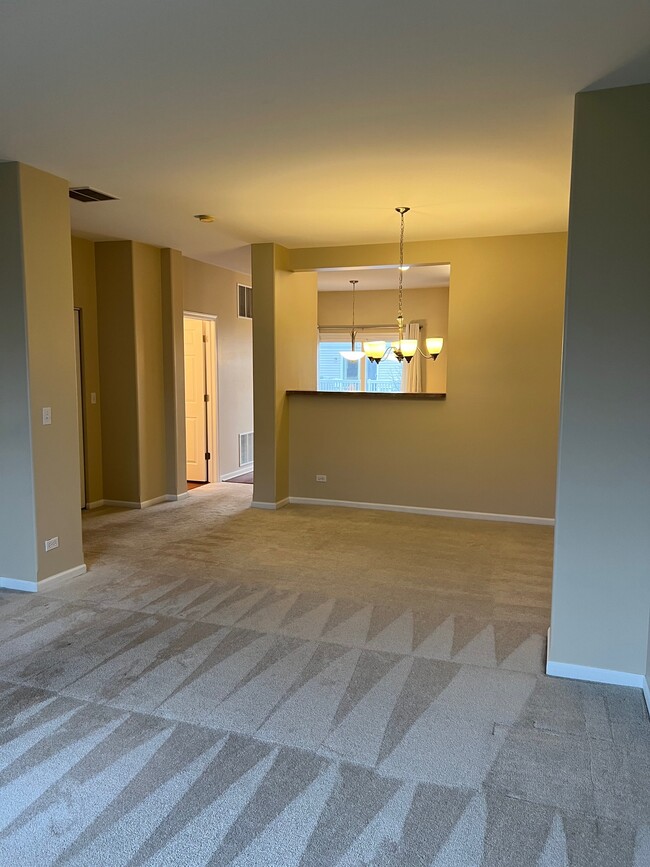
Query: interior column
[39, 461]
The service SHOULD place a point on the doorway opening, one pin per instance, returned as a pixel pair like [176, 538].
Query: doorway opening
[199, 338]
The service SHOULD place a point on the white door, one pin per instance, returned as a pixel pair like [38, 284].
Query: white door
[80, 413]
[195, 403]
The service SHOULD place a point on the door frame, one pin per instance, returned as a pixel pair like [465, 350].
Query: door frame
[81, 404]
[211, 389]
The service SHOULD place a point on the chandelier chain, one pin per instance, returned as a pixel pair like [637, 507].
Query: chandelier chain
[401, 262]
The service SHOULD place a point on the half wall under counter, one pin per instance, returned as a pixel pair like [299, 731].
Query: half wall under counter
[423, 453]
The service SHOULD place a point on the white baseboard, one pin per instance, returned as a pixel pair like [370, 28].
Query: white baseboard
[646, 692]
[96, 504]
[154, 501]
[279, 505]
[50, 581]
[242, 471]
[60, 577]
[134, 504]
[18, 584]
[595, 675]
[423, 510]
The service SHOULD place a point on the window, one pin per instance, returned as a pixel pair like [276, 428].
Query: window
[336, 373]
[244, 301]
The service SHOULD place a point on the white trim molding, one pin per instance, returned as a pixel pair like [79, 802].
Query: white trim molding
[134, 504]
[242, 471]
[424, 510]
[646, 692]
[154, 501]
[96, 504]
[256, 504]
[595, 675]
[18, 584]
[60, 577]
[34, 586]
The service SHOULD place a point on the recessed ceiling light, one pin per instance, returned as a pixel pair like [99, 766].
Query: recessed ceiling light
[403, 267]
[204, 218]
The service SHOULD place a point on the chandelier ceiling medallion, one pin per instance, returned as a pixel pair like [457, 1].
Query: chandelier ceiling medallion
[402, 348]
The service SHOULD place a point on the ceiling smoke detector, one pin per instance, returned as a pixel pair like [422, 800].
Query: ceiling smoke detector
[204, 218]
[87, 194]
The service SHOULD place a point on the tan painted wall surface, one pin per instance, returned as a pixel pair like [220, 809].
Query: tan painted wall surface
[263, 259]
[117, 365]
[296, 323]
[18, 541]
[47, 262]
[212, 290]
[285, 344]
[601, 584]
[380, 308]
[150, 371]
[85, 298]
[647, 662]
[491, 446]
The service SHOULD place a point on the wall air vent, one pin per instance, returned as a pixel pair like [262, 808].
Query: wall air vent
[245, 449]
[87, 194]
[244, 301]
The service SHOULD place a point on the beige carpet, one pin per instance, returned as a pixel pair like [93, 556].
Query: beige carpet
[312, 686]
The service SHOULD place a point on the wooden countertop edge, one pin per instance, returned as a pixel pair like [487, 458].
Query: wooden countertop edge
[372, 395]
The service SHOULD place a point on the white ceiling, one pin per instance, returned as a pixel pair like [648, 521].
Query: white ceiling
[307, 122]
[382, 277]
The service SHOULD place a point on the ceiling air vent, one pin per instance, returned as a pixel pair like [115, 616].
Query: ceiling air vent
[87, 194]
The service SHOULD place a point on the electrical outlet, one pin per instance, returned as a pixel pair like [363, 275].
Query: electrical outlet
[321, 478]
[47, 415]
[52, 543]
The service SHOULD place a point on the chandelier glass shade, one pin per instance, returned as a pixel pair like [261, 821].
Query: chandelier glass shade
[402, 349]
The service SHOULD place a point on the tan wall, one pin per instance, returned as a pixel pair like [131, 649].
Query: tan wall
[284, 345]
[52, 367]
[601, 582]
[150, 371]
[263, 259]
[491, 446]
[380, 308]
[18, 542]
[85, 298]
[37, 263]
[296, 319]
[211, 290]
[647, 663]
[117, 367]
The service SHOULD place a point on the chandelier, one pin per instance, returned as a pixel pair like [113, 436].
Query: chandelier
[353, 354]
[402, 348]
